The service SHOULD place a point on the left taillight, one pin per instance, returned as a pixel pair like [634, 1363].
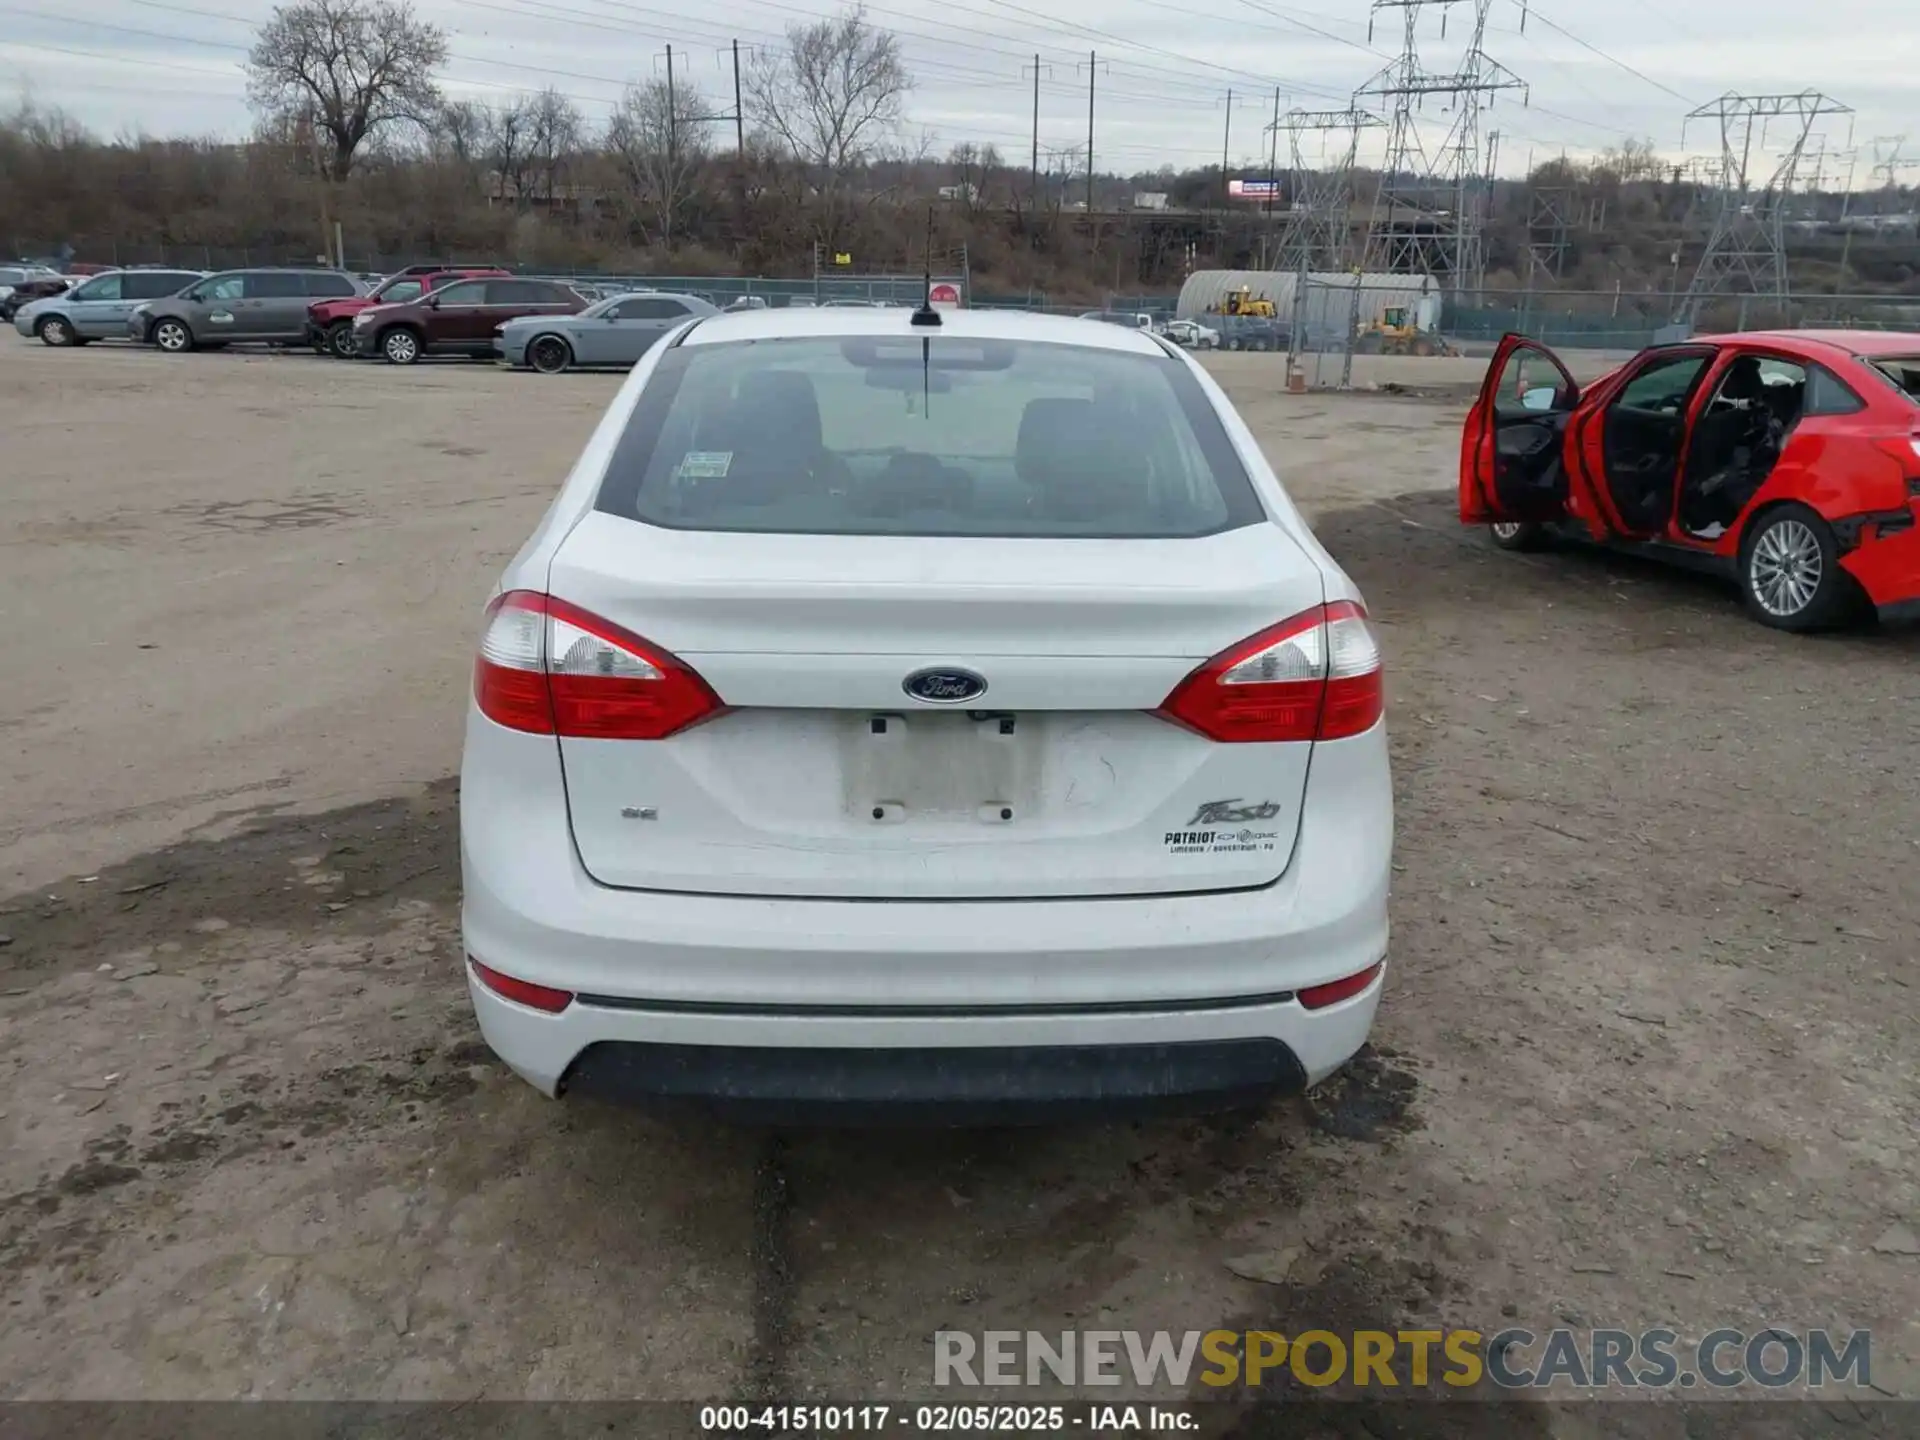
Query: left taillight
[548, 667]
[1314, 677]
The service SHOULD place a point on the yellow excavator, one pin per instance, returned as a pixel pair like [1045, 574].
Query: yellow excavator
[1397, 332]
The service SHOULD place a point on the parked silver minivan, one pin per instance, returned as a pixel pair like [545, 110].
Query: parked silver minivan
[239, 307]
[98, 308]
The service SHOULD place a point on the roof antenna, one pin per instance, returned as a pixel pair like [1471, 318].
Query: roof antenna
[926, 314]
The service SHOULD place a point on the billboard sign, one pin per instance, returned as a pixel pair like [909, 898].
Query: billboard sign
[1253, 189]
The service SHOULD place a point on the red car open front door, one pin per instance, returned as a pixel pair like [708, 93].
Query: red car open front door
[1512, 451]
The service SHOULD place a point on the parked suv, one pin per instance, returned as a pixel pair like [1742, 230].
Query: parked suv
[239, 307]
[98, 309]
[458, 319]
[330, 322]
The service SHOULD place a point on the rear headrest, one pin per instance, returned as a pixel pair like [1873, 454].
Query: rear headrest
[1743, 380]
[1079, 460]
[780, 407]
[1050, 431]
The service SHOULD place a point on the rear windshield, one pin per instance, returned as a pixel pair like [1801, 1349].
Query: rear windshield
[908, 435]
[1903, 371]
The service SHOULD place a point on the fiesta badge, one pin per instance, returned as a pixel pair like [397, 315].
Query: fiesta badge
[944, 686]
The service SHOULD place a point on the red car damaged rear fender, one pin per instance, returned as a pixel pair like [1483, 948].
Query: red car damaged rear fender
[1886, 561]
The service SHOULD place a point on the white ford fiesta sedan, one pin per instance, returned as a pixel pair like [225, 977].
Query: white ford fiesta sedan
[936, 716]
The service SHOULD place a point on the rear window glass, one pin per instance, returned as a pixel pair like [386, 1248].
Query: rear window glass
[871, 435]
[329, 285]
[1903, 371]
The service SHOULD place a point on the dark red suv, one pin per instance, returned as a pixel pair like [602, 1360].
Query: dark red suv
[458, 319]
[330, 322]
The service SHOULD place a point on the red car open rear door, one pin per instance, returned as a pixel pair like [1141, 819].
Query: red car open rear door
[1512, 460]
[1625, 443]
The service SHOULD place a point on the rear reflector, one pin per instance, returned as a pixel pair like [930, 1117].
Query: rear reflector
[1314, 677]
[522, 992]
[551, 668]
[1319, 997]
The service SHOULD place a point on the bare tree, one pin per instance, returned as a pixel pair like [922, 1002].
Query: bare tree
[830, 95]
[556, 133]
[352, 67]
[460, 132]
[659, 143]
[507, 145]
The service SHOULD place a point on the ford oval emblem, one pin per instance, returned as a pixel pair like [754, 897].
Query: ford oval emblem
[944, 686]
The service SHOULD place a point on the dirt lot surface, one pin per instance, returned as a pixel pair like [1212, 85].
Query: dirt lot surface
[1647, 1054]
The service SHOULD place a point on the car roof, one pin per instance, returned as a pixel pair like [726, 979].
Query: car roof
[1851, 342]
[832, 322]
[282, 270]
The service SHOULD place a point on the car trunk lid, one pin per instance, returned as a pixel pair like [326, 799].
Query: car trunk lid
[826, 776]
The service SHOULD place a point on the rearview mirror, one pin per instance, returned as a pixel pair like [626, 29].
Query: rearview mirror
[433, 302]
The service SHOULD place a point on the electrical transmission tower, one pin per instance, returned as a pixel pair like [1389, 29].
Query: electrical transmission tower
[1889, 166]
[1319, 221]
[1555, 209]
[1887, 163]
[1430, 209]
[1746, 252]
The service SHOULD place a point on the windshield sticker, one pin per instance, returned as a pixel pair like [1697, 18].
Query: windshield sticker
[705, 465]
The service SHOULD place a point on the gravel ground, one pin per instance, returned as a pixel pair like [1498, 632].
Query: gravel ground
[1646, 1055]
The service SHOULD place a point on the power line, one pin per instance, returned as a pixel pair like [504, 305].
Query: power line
[1560, 29]
[118, 29]
[115, 59]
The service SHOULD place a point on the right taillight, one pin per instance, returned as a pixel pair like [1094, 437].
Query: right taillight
[1314, 677]
[550, 668]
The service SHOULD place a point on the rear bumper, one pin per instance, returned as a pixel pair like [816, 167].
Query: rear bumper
[1887, 567]
[922, 979]
[793, 1069]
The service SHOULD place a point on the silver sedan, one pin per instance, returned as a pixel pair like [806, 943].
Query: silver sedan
[616, 331]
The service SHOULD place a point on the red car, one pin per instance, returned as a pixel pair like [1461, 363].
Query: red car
[330, 322]
[1788, 461]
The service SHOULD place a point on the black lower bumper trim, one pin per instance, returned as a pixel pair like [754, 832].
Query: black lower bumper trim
[951, 1085]
[943, 1012]
[1900, 612]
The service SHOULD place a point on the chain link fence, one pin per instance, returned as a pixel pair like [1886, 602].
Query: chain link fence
[1623, 320]
[1322, 346]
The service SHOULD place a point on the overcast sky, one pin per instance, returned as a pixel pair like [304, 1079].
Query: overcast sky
[1597, 73]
